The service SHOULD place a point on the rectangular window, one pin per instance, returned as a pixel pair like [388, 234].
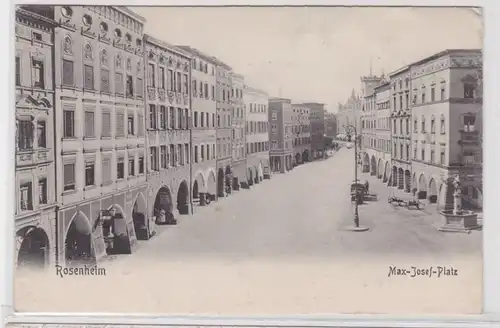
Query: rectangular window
[442, 159]
[433, 94]
[213, 93]
[89, 125]
[69, 177]
[422, 153]
[194, 85]
[42, 191]
[106, 124]
[68, 78]
[468, 91]
[151, 75]
[38, 74]
[89, 174]
[120, 168]
[42, 134]
[162, 78]
[163, 157]
[432, 156]
[185, 83]
[179, 82]
[202, 120]
[152, 117]
[170, 80]
[140, 87]
[274, 115]
[180, 150]
[120, 125]
[172, 118]
[119, 83]
[179, 118]
[130, 86]
[206, 91]
[130, 124]
[26, 197]
[442, 93]
[196, 154]
[18, 70]
[104, 80]
[172, 156]
[131, 166]
[141, 165]
[186, 151]
[88, 77]
[106, 170]
[186, 120]
[202, 152]
[25, 135]
[163, 117]
[69, 124]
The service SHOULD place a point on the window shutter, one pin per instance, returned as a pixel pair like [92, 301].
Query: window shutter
[120, 125]
[104, 80]
[69, 174]
[89, 124]
[68, 73]
[106, 124]
[88, 82]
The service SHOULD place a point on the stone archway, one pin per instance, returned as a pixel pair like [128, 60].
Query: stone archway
[164, 206]
[433, 192]
[255, 175]
[394, 176]
[298, 159]
[407, 181]
[401, 178]
[260, 172]
[387, 172]
[305, 156]
[220, 182]
[414, 184]
[33, 249]
[366, 163]
[183, 198]
[139, 217]
[228, 178]
[78, 243]
[119, 228]
[380, 169]
[211, 186]
[199, 190]
[250, 176]
[422, 187]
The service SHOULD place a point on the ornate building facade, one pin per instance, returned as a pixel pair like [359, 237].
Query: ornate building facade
[257, 134]
[168, 102]
[203, 127]
[239, 154]
[349, 114]
[447, 123]
[224, 128]
[383, 129]
[35, 215]
[280, 135]
[99, 89]
[400, 86]
[369, 123]
[301, 131]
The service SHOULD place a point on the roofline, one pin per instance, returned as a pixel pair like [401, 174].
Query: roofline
[400, 70]
[385, 83]
[197, 53]
[222, 64]
[443, 53]
[22, 11]
[131, 13]
[255, 90]
[166, 45]
[278, 99]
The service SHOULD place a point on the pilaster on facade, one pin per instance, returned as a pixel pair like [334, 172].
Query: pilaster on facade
[301, 134]
[99, 87]
[35, 180]
[256, 104]
[168, 101]
[224, 87]
[280, 135]
[203, 127]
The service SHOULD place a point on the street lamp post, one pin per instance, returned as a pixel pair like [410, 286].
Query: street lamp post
[351, 130]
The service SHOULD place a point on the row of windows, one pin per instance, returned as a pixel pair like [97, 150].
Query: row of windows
[257, 147]
[257, 127]
[37, 73]
[163, 118]
[171, 81]
[31, 134]
[257, 108]
[301, 141]
[89, 124]
[276, 145]
[27, 194]
[297, 129]
[378, 144]
[202, 67]
[135, 167]
[224, 148]
[172, 155]
[237, 93]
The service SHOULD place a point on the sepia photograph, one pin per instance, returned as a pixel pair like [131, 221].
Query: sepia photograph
[248, 160]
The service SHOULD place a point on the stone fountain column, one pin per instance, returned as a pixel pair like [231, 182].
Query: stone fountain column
[458, 219]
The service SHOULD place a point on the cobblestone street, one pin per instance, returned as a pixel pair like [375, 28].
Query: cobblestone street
[281, 247]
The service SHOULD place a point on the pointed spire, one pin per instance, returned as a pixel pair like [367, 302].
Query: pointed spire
[353, 94]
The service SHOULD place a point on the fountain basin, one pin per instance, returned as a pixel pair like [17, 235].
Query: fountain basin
[465, 221]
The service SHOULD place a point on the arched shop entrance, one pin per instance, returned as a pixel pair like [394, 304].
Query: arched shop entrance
[183, 198]
[33, 249]
[79, 247]
[163, 207]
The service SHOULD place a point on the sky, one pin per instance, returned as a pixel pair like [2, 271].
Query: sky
[314, 53]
